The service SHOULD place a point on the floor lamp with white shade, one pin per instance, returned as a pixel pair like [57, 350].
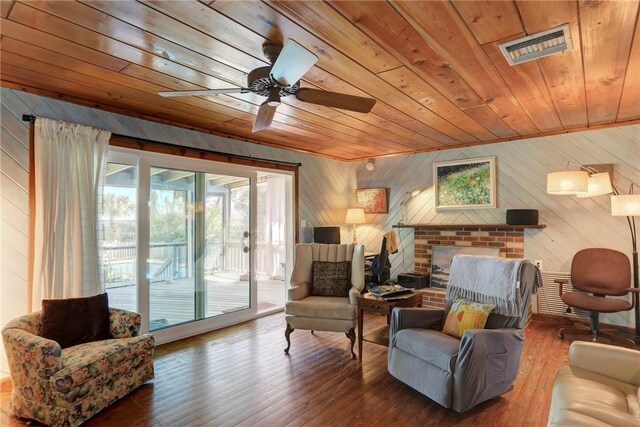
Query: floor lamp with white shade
[588, 182]
[628, 205]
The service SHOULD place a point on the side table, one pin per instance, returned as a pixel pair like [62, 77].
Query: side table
[368, 302]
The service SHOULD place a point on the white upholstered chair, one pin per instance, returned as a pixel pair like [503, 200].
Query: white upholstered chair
[323, 313]
[598, 387]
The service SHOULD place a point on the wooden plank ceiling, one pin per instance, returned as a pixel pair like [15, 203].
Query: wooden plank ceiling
[433, 67]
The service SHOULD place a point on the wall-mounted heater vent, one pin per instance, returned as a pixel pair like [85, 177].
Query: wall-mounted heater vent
[548, 298]
[538, 45]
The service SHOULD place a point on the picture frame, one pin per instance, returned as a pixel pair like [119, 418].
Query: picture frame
[372, 200]
[465, 184]
[441, 261]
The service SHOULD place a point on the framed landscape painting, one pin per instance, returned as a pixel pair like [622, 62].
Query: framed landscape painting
[465, 184]
[372, 200]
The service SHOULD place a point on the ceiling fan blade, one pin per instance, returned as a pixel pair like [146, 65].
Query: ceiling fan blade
[294, 60]
[336, 100]
[169, 94]
[264, 117]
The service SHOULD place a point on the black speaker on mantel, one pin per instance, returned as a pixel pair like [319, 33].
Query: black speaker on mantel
[522, 216]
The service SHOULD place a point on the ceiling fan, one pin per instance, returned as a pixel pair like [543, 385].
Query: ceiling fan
[282, 78]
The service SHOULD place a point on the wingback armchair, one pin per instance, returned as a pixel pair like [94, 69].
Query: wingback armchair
[323, 313]
[459, 373]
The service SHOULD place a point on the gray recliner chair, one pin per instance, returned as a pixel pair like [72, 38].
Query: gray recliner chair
[459, 373]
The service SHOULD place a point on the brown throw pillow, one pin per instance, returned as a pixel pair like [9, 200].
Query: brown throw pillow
[331, 279]
[74, 321]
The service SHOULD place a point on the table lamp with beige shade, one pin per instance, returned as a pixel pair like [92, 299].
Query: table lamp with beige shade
[354, 217]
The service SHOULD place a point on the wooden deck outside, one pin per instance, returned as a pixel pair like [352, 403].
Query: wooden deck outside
[173, 301]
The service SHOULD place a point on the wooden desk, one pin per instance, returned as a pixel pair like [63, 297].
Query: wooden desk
[368, 302]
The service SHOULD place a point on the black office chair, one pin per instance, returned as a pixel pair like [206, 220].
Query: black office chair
[377, 268]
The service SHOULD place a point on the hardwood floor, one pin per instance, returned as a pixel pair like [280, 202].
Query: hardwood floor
[240, 376]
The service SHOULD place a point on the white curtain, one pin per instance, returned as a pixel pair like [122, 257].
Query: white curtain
[275, 221]
[70, 161]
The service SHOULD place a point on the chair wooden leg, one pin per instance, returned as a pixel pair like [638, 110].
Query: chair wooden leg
[287, 333]
[312, 332]
[351, 334]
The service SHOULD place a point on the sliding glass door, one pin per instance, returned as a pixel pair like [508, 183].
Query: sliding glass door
[171, 265]
[199, 249]
[179, 246]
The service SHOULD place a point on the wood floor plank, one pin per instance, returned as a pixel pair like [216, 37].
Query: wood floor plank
[240, 376]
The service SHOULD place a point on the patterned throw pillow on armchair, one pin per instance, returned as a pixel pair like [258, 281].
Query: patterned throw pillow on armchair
[331, 279]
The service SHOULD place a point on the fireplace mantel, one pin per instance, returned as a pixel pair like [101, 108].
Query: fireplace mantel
[508, 238]
[470, 227]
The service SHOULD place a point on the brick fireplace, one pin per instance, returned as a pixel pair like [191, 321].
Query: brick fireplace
[509, 239]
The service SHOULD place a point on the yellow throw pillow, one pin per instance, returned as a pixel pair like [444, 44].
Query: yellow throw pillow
[465, 314]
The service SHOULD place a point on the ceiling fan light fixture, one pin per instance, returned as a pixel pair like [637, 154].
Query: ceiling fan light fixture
[289, 63]
[273, 99]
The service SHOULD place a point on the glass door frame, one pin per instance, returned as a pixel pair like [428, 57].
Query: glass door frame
[145, 160]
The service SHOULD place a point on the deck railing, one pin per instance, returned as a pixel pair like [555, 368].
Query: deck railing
[170, 260]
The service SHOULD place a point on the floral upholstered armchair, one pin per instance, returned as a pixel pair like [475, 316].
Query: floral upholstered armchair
[65, 387]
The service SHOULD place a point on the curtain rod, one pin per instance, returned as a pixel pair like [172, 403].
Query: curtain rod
[31, 118]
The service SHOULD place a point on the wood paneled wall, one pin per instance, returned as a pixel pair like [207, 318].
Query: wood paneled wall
[326, 186]
[14, 208]
[522, 167]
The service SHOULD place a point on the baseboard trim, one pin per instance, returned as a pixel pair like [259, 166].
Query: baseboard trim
[552, 318]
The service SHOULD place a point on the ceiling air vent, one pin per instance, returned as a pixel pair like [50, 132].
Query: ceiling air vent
[537, 45]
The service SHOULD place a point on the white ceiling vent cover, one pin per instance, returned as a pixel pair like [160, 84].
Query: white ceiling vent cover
[537, 45]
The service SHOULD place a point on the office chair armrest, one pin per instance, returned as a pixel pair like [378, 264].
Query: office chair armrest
[298, 292]
[560, 283]
[622, 364]
[635, 294]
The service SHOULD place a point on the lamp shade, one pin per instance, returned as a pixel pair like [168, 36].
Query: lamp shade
[598, 184]
[355, 216]
[568, 182]
[625, 205]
